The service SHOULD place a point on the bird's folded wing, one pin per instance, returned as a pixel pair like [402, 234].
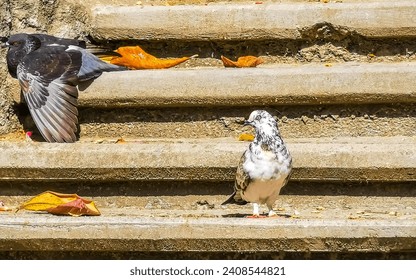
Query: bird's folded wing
[242, 179]
[48, 80]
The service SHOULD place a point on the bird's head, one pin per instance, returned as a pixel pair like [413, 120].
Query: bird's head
[19, 46]
[262, 122]
[21, 42]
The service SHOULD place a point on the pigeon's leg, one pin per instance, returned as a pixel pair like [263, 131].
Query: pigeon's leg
[270, 203]
[271, 212]
[256, 211]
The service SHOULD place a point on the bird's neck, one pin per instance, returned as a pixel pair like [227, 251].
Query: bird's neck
[267, 135]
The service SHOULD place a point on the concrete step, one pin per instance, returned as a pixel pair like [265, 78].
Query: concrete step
[310, 101]
[298, 20]
[188, 226]
[338, 159]
[268, 85]
[348, 83]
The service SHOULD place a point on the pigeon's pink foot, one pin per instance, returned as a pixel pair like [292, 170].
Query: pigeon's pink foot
[256, 216]
[29, 136]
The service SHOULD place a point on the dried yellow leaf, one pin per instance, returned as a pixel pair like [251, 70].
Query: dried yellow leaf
[246, 137]
[46, 200]
[61, 204]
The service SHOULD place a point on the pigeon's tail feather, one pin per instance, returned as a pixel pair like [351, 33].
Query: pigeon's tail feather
[92, 66]
[107, 56]
[232, 200]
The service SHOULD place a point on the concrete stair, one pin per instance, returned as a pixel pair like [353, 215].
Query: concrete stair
[158, 149]
[344, 159]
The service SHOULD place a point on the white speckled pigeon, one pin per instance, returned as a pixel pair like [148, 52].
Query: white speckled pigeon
[265, 166]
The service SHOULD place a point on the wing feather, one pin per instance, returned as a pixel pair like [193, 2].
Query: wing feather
[242, 180]
[49, 88]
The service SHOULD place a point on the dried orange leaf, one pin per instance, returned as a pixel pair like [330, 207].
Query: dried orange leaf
[137, 58]
[59, 203]
[246, 137]
[243, 61]
[76, 208]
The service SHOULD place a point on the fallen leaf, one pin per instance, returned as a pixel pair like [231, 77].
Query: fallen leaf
[243, 61]
[136, 58]
[77, 207]
[46, 200]
[62, 204]
[246, 137]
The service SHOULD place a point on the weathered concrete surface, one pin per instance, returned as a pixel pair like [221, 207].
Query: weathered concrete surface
[266, 86]
[249, 21]
[335, 224]
[343, 159]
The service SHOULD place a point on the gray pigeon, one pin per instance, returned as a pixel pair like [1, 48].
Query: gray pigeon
[264, 168]
[49, 69]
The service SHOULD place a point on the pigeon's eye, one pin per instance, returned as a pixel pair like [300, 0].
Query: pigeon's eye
[17, 43]
[258, 118]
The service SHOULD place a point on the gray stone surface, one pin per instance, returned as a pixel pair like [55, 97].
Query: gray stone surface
[343, 159]
[307, 224]
[348, 83]
[249, 21]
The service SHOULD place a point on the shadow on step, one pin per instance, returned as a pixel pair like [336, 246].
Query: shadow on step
[181, 188]
[313, 47]
[56, 255]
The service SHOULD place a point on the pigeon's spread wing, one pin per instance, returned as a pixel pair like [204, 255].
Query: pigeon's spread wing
[48, 78]
[242, 180]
